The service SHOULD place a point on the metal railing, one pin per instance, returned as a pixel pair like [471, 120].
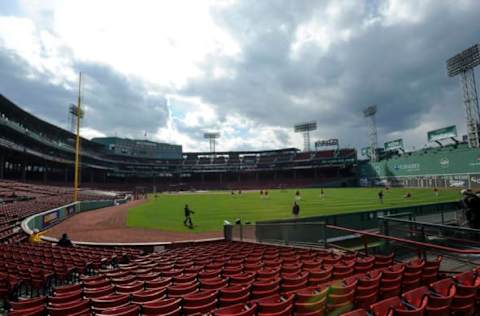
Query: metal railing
[320, 234]
[286, 233]
[452, 236]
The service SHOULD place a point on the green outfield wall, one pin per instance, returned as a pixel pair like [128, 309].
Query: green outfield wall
[452, 166]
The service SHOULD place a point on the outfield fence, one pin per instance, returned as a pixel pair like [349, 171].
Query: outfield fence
[47, 219]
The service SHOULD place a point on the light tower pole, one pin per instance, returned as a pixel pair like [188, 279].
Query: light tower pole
[369, 113]
[77, 142]
[212, 137]
[463, 64]
[305, 128]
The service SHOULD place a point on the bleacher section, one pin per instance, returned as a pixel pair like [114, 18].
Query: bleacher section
[21, 200]
[233, 278]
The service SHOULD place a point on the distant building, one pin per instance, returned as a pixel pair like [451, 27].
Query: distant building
[139, 148]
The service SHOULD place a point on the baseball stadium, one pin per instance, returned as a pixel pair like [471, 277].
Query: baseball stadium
[113, 225]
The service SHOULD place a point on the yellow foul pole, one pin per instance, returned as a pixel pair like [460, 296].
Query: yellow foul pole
[77, 143]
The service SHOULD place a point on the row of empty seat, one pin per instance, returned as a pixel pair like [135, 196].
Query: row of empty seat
[19, 200]
[231, 278]
[37, 267]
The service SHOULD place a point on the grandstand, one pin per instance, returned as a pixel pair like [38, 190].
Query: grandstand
[391, 261]
[34, 150]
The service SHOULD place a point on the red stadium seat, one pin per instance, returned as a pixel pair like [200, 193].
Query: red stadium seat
[148, 295]
[169, 306]
[31, 311]
[236, 310]
[442, 293]
[275, 304]
[200, 298]
[130, 287]
[199, 309]
[414, 302]
[69, 308]
[357, 312]
[181, 289]
[66, 297]
[110, 301]
[128, 310]
[158, 283]
[385, 307]
[28, 303]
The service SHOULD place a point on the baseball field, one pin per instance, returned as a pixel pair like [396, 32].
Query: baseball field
[166, 211]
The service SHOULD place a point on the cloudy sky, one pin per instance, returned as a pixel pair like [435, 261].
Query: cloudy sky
[247, 68]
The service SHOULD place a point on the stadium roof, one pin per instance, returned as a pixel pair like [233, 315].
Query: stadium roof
[15, 113]
[246, 152]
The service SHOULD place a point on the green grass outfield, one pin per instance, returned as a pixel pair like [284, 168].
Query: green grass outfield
[165, 212]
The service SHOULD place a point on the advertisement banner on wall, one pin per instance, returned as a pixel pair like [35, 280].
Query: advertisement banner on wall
[458, 181]
[70, 209]
[393, 144]
[475, 181]
[442, 133]
[365, 151]
[50, 218]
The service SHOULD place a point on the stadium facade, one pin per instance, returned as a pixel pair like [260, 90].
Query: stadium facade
[139, 148]
[32, 149]
[35, 150]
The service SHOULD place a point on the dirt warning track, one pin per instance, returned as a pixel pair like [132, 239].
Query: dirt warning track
[110, 225]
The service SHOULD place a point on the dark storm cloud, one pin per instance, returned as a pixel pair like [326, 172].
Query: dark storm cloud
[32, 90]
[120, 105]
[400, 67]
[115, 104]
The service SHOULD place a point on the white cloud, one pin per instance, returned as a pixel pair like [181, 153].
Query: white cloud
[246, 68]
[89, 133]
[166, 38]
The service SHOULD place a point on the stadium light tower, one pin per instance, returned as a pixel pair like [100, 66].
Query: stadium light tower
[212, 137]
[370, 113]
[305, 128]
[73, 114]
[463, 64]
[77, 141]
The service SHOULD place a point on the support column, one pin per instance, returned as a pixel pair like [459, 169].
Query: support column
[2, 166]
[24, 172]
[45, 171]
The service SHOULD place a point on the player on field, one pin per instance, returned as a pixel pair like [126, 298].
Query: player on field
[188, 218]
[322, 193]
[297, 195]
[435, 191]
[295, 209]
[380, 196]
